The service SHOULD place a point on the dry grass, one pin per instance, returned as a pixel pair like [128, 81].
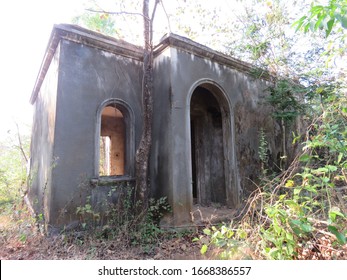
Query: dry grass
[20, 239]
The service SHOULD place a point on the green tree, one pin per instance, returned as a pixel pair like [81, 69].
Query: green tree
[331, 19]
[14, 151]
[100, 22]
[324, 17]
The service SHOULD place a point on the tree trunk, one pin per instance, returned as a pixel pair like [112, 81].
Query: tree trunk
[143, 151]
[284, 146]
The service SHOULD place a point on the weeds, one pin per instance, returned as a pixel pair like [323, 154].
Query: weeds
[119, 221]
[302, 212]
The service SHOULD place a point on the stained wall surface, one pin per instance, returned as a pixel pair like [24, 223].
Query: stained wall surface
[42, 160]
[87, 79]
[243, 111]
[207, 117]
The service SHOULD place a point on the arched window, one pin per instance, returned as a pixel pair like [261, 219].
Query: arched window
[115, 149]
[112, 142]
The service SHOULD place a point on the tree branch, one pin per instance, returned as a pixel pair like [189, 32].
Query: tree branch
[117, 13]
[167, 16]
[20, 144]
[151, 22]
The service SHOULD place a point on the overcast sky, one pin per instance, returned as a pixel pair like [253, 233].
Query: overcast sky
[25, 29]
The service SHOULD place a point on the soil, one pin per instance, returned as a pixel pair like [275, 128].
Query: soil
[43, 248]
[20, 239]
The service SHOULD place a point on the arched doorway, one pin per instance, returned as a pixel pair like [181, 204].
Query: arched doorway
[208, 151]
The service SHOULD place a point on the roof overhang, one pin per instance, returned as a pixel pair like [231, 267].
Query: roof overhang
[84, 36]
[190, 46]
[97, 40]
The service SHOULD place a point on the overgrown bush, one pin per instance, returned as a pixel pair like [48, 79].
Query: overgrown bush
[121, 221]
[13, 171]
[302, 213]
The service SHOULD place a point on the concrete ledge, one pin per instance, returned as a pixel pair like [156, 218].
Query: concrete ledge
[97, 40]
[110, 180]
[87, 37]
[200, 50]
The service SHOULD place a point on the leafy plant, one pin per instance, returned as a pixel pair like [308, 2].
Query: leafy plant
[148, 231]
[87, 213]
[287, 223]
[100, 22]
[13, 173]
[120, 220]
[286, 99]
[307, 201]
[226, 239]
[324, 17]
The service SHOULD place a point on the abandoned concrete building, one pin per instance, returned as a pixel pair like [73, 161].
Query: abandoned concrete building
[208, 112]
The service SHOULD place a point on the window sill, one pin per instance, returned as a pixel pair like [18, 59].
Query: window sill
[110, 180]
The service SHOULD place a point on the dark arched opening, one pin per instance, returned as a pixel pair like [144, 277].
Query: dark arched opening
[207, 149]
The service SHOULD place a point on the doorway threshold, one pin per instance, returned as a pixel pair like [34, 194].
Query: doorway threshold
[211, 215]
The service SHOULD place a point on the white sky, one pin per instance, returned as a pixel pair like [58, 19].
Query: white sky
[25, 29]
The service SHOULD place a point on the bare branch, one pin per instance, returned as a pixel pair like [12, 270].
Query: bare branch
[117, 13]
[167, 16]
[154, 9]
[152, 19]
[20, 144]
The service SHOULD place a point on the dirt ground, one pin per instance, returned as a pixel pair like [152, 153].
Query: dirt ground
[20, 239]
[42, 248]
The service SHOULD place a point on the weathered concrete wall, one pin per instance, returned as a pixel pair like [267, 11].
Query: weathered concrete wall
[111, 199]
[88, 77]
[160, 161]
[90, 72]
[251, 115]
[241, 95]
[188, 72]
[42, 160]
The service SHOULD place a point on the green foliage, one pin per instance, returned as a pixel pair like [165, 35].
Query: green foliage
[120, 220]
[87, 214]
[13, 169]
[285, 98]
[100, 22]
[225, 238]
[147, 232]
[258, 49]
[287, 225]
[324, 17]
[308, 200]
[157, 208]
[117, 216]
